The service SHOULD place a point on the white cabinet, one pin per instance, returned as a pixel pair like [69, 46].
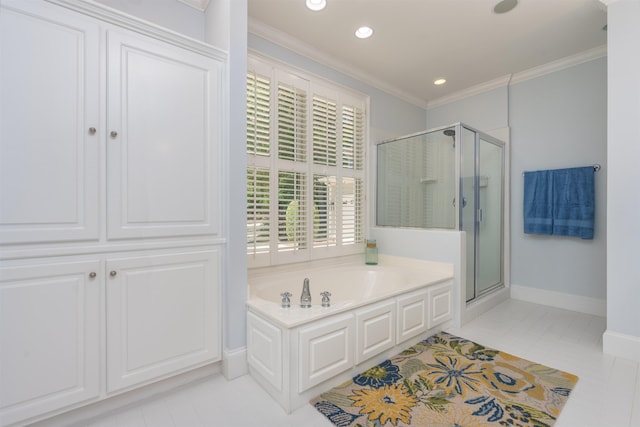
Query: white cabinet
[162, 135]
[49, 336]
[412, 315]
[375, 330]
[162, 315]
[325, 350]
[264, 349]
[440, 299]
[111, 147]
[49, 141]
[163, 139]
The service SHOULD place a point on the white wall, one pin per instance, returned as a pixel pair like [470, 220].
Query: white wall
[623, 206]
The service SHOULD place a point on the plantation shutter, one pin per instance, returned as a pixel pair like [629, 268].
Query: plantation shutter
[292, 211]
[324, 125]
[258, 114]
[292, 123]
[305, 167]
[258, 211]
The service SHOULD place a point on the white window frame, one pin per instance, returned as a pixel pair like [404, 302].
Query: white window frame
[278, 72]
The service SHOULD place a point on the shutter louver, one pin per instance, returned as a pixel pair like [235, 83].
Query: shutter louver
[352, 138]
[324, 125]
[324, 215]
[292, 211]
[258, 115]
[352, 210]
[258, 223]
[292, 123]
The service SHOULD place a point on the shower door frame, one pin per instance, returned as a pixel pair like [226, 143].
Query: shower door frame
[478, 136]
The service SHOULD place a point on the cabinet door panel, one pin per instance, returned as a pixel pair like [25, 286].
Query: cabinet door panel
[375, 330]
[163, 169]
[49, 99]
[162, 315]
[49, 335]
[326, 349]
[412, 315]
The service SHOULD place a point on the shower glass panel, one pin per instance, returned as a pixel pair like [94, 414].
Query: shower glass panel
[416, 181]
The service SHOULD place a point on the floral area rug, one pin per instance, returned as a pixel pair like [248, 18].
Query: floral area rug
[449, 381]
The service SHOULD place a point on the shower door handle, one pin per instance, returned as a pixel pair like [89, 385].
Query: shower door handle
[464, 202]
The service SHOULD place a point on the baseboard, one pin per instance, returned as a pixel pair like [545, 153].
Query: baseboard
[581, 304]
[234, 363]
[621, 345]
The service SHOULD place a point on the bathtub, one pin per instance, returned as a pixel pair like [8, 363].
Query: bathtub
[376, 311]
[351, 284]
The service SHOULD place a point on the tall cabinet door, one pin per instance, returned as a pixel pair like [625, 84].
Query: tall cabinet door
[49, 129]
[49, 337]
[163, 141]
[162, 315]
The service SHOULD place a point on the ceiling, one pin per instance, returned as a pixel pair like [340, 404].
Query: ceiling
[418, 41]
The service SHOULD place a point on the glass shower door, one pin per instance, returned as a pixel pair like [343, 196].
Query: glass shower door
[467, 205]
[481, 211]
[490, 211]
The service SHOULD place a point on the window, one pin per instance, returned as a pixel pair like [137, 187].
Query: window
[305, 167]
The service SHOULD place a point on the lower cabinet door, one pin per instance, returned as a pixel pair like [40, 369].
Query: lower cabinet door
[326, 349]
[163, 315]
[412, 315]
[49, 337]
[440, 304]
[375, 330]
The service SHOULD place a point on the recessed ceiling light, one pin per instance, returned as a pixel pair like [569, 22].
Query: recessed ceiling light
[316, 5]
[364, 32]
[439, 82]
[505, 6]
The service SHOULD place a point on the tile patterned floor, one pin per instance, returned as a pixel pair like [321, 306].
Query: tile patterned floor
[607, 394]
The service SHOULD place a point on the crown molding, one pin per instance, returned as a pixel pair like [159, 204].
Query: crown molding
[532, 73]
[471, 91]
[560, 64]
[200, 5]
[281, 38]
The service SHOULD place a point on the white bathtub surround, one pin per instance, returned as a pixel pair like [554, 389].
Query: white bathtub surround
[376, 311]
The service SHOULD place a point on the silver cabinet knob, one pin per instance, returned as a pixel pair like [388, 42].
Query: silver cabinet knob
[113, 134]
[113, 273]
[92, 131]
[92, 274]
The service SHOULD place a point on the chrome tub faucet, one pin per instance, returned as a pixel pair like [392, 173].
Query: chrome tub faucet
[305, 298]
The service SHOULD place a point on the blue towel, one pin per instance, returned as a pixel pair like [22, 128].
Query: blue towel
[538, 202]
[573, 202]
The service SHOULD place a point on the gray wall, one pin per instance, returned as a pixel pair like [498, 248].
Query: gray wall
[557, 121]
[167, 13]
[485, 111]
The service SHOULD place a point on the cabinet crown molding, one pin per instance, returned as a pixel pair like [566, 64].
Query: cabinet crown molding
[121, 19]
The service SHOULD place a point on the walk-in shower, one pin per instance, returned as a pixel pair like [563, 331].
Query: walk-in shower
[452, 178]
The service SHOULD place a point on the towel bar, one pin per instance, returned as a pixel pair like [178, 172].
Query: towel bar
[596, 168]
